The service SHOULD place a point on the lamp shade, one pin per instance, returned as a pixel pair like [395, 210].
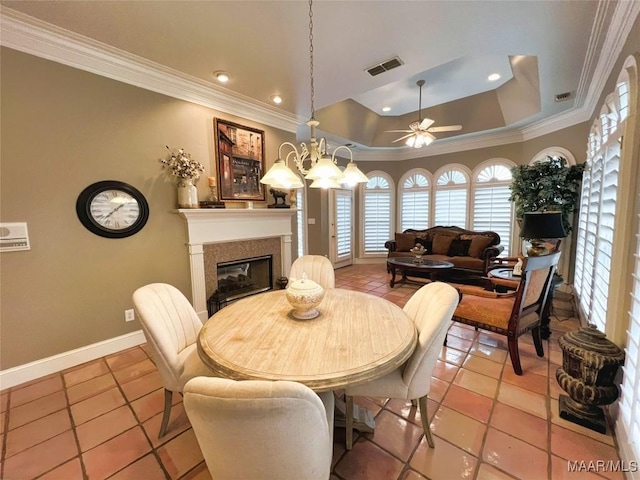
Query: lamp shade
[542, 225]
[281, 176]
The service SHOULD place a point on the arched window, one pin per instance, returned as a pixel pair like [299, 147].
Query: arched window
[377, 216]
[492, 210]
[596, 220]
[452, 187]
[415, 192]
[597, 217]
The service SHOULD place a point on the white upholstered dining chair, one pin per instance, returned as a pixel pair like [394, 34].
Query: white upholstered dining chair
[256, 429]
[431, 308]
[171, 327]
[316, 267]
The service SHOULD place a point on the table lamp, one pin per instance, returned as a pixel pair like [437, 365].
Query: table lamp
[539, 226]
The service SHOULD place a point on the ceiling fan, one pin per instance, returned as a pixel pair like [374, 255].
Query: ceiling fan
[419, 134]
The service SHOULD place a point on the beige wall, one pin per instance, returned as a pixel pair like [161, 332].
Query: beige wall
[62, 130]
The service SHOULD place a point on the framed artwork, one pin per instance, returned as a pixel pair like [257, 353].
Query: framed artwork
[240, 153]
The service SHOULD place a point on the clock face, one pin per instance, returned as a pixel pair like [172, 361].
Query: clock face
[112, 209]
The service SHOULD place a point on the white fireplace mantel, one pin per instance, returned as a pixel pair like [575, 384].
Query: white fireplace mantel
[212, 225]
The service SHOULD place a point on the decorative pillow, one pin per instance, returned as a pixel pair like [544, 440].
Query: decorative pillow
[478, 244]
[441, 244]
[459, 248]
[427, 244]
[405, 242]
[467, 236]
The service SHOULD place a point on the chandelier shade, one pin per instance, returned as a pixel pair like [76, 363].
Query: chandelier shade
[281, 176]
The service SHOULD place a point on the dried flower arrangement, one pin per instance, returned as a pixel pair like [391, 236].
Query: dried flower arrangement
[182, 166]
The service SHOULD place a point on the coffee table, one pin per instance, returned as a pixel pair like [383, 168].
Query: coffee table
[408, 265]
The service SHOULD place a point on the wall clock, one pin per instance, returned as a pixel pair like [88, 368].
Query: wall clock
[112, 209]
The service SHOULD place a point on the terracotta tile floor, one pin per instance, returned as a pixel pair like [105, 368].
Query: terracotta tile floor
[100, 420]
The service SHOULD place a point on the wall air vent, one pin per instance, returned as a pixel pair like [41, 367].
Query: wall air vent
[561, 97]
[385, 66]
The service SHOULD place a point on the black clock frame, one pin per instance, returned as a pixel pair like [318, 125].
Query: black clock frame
[83, 206]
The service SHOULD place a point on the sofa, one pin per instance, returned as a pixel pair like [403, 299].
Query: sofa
[470, 252]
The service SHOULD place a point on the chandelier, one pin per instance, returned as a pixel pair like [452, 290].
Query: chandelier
[322, 169]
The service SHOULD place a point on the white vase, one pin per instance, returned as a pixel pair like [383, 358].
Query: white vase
[187, 193]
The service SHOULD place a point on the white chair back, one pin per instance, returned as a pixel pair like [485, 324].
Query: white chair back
[170, 325]
[431, 308]
[257, 429]
[317, 268]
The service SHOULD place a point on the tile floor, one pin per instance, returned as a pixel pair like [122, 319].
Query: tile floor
[100, 419]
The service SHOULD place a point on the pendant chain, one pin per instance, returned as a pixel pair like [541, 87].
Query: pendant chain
[311, 54]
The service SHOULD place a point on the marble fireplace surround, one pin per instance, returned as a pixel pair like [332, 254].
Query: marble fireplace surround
[211, 232]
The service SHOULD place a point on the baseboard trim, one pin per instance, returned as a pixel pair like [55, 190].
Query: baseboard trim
[56, 363]
[370, 260]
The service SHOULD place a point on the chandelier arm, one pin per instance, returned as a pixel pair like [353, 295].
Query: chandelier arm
[333, 156]
[299, 158]
[289, 144]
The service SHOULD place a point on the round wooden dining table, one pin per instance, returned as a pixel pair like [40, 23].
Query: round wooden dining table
[356, 337]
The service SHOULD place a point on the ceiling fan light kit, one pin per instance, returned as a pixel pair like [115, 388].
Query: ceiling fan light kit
[419, 133]
[323, 169]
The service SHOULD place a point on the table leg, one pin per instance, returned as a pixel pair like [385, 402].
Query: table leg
[392, 282]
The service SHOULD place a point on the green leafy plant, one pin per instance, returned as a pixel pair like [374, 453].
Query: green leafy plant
[547, 186]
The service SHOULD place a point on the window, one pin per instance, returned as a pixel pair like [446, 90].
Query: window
[628, 422]
[630, 388]
[377, 214]
[596, 220]
[451, 197]
[492, 210]
[414, 200]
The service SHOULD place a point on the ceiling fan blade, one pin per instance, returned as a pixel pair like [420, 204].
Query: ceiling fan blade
[426, 123]
[402, 138]
[448, 128]
[399, 131]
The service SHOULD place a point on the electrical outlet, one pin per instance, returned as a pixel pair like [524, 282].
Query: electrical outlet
[129, 315]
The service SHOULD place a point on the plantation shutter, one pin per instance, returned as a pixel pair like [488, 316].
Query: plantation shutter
[604, 242]
[596, 221]
[302, 240]
[492, 210]
[630, 389]
[584, 251]
[451, 207]
[415, 203]
[343, 225]
[377, 215]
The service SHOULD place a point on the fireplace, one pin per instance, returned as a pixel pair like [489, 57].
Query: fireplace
[226, 234]
[241, 278]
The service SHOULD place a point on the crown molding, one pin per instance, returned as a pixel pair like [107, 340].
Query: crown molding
[29, 35]
[621, 23]
[440, 147]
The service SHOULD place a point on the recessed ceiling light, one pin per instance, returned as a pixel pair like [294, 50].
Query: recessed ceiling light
[386, 109]
[494, 77]
[222, 77]
[277, 99]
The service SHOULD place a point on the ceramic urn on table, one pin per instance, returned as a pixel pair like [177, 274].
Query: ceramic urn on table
[304, 295]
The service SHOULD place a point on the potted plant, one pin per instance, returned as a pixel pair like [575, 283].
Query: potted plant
[547, 186]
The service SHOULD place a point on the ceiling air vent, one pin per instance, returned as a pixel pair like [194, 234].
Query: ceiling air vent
[385, 66]
[561, 97]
